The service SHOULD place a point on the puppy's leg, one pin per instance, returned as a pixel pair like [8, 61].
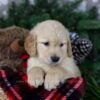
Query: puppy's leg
[36, 76]
[2, 95]
[53, 77]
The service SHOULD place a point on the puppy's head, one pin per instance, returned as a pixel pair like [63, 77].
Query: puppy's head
[49, 41]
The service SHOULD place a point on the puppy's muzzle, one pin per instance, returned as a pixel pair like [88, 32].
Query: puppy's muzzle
[55, 59]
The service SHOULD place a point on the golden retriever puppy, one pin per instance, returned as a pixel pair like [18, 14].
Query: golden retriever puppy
[51, 60]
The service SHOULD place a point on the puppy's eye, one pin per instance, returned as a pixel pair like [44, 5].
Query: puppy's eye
[46, 43]
[61, 45]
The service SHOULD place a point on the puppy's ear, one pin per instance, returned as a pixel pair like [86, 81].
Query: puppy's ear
[30, 45]
[69, 48]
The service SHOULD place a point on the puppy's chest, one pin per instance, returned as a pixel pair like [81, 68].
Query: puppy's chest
[35, 62]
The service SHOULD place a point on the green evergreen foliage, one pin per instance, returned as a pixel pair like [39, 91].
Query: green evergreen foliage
[89, 25]
[85, 23]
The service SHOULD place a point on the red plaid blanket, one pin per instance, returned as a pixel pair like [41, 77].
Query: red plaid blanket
[16, 87]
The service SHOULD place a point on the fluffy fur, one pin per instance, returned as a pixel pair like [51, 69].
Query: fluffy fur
[12, 46]
[48, 39]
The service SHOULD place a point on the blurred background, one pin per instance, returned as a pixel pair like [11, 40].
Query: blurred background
[81, 16]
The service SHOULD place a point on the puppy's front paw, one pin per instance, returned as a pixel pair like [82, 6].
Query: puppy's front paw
[54, 77]
[36, 77]
[51, 81]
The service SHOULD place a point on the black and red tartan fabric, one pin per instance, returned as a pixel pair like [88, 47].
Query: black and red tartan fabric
[16, 87]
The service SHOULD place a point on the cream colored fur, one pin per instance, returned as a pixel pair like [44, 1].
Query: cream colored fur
[40, 67]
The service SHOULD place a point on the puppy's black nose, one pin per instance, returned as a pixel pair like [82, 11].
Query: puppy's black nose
[55, 59]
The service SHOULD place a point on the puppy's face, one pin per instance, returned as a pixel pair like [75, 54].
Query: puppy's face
[52, 47]
[52, 42]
